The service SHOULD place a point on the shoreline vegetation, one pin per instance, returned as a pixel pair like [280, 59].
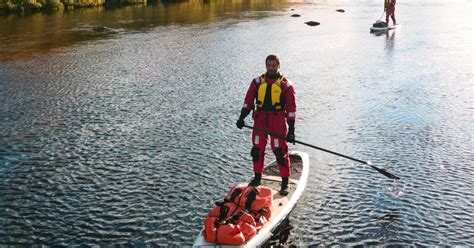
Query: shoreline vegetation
[32, 6]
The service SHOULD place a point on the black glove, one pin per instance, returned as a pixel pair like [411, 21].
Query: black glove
[290, 137]
[243, 113]
[240, 123]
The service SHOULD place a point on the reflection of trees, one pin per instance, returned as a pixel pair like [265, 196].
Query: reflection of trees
[192, 11]
[23, 36]
[174, 1]
[7, 6]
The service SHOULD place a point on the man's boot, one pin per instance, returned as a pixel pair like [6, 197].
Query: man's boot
[256, 181]
[285, 187]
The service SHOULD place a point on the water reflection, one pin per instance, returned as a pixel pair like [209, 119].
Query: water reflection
[25, 36]
[280, 235]
[389, 39]
[128, 141]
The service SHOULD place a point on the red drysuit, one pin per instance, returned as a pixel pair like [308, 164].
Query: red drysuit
[271, 115]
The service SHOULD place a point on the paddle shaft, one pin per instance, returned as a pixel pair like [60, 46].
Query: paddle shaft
[384, 172]
[335, 153]
[382, 15]
[312, 146]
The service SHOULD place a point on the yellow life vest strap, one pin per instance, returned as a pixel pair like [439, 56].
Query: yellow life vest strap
[262, 89]
[276, 93]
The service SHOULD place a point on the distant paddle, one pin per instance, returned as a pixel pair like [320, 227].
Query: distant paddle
[381, 16]
[382, 171]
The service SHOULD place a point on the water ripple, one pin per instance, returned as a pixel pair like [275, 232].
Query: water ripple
[130, 139]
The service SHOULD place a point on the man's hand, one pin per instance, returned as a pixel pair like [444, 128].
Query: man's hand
[240, 123]
[243, 113]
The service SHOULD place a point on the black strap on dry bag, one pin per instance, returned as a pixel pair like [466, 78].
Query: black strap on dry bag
[250, 199]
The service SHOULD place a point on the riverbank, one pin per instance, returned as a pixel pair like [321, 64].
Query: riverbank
[28, 6]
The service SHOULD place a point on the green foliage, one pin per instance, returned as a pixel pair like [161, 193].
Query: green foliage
[33, 4]
[20, 5]
[86, 3]
[25, 5]
[29, 5]
[11, 6]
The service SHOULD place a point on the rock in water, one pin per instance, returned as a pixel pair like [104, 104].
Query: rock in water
[99, 29]
[341, 10]
[312, 23]
[295, 15]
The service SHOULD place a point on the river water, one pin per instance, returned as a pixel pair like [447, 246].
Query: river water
[118, 125]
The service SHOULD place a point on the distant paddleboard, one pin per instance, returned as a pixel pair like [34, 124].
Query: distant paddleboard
[379, 29]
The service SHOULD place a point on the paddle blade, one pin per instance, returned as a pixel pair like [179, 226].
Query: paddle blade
[385, 173]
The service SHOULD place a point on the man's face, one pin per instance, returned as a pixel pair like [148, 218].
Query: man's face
[272, 67]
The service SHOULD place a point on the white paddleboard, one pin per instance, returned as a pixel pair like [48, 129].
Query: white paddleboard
[282, 205]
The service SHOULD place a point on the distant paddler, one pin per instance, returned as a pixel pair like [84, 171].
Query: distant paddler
[390, 11]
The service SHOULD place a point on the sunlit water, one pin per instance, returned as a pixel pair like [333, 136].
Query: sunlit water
[125, 134]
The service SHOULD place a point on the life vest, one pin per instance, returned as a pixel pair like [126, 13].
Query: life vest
[274, 91]
[228, 224]
[236, 220]
[388, 3]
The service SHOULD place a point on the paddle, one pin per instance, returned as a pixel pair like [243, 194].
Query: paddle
[381, 16]
[382, 171]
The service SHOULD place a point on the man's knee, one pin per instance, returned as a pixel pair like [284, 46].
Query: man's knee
[255, 153]
[280, 156]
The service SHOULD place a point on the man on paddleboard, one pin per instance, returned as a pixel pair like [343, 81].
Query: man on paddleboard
[274, 96]
[390, 11]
